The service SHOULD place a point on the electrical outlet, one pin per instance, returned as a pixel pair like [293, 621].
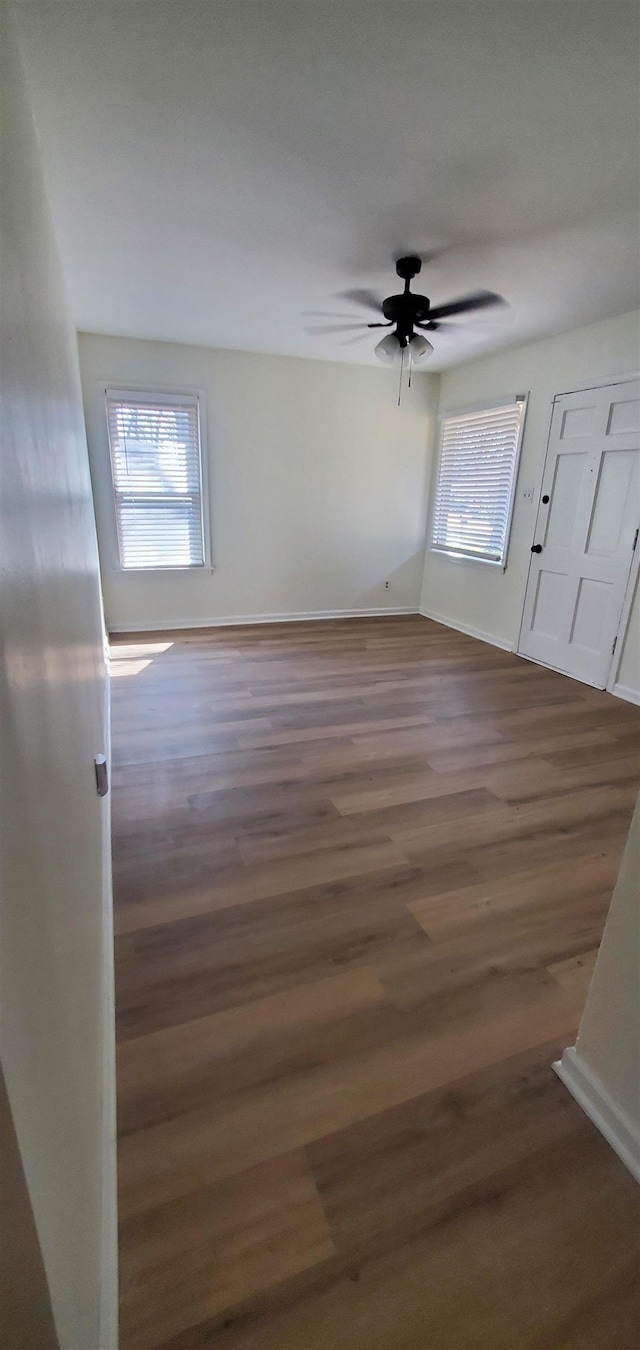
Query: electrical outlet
[386, 585]
[527, 495]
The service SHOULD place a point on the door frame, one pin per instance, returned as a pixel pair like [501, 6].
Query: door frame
[634, 566]
[625, 615]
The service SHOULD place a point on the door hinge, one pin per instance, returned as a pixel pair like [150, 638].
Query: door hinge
[635, 539]
[102, 775]
[615, 642]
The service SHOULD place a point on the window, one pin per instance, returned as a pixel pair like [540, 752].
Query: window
[157, 479]
[476, 479]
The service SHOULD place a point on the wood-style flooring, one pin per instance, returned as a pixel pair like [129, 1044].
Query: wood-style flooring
[361, 872]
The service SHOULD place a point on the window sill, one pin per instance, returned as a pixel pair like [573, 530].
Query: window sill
[466, 558]
[119, 571]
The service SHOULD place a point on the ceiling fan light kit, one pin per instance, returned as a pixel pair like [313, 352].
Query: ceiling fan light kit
[389, 349]
[419, 348]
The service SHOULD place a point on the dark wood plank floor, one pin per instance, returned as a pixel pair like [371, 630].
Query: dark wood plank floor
[361, 872]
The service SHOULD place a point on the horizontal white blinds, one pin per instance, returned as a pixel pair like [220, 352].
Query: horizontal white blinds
[476, 477]
[155, 458]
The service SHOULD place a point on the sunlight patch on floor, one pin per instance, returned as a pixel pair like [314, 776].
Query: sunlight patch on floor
[132, 658]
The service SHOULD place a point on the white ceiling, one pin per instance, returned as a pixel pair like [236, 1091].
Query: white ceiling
[216, 168]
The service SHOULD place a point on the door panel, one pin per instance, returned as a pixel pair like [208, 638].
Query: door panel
[624, 415]
[577, 420]
[614, 487]
[577, 583]
[549, 603]
[561, 516]
[589, 613]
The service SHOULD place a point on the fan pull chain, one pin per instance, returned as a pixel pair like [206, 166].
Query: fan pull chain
[401, 373]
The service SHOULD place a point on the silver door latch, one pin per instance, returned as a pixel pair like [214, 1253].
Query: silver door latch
[102, 775]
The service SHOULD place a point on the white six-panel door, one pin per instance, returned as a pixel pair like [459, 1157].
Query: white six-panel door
[586, 532]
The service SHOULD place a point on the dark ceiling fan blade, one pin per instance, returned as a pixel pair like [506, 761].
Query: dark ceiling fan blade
[362, 297]
[450, 327]
[348, 342]
[479, 329]
[478, 300]
[326, 314]
[336, 328]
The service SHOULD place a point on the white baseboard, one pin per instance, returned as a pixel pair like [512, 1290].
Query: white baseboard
[232, 620]
[625, 691]
[466, 628]
[620, 1131]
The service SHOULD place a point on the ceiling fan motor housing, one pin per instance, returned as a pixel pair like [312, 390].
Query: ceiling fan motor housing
[405, 311]
[406, 308]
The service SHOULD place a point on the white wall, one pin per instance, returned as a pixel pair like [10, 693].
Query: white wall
[609, 1035]
[477, 596]
[628, 674]
[603, 1070]
[56, 1037]
[317, 484]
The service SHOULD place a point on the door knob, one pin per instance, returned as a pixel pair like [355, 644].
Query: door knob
[536, 548]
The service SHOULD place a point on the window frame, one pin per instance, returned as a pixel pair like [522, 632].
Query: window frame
[473, 408]
[169, 395]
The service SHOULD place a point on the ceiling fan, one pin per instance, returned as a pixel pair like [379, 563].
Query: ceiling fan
[406, 313]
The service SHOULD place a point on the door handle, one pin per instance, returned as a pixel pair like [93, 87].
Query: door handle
[536, 548]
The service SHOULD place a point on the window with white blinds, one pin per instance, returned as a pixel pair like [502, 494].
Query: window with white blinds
[157, 479]
[477, 469]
